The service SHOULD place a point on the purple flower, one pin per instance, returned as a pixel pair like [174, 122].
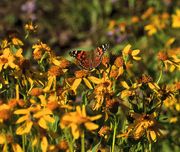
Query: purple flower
[29, 7]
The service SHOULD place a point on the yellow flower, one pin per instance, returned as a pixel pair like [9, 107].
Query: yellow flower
[170, 61]
[8, 139]
[151, 29]
[112, 23]
[4, 44]
[30, 27]
[118, 68]
[144, 124]
[157, 22]
[171, 101]
[7, 59]
[176, 19]
[44, 117]
[102, 90]
[169, 42]
[129, 90]
[41, 50]
[61, 62]
[31, 115]
[26, 118]
[127, 52]
[75, 120]
[83, 75]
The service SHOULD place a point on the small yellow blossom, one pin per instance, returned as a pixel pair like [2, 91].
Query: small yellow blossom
[7, 59]
[40, 50]
[151, 29]
[128, 52]
[129, 90]
[30, 27]
[83, 75]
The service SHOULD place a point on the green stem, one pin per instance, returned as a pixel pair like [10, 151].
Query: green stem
[23, 141]
[82, 142]
[114, 135]
[69, 139]
[160, 75]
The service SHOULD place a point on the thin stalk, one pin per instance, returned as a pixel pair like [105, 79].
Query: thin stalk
[69, 140]
[82, 142]
[23, 141]
[160, 76]
[114, 135]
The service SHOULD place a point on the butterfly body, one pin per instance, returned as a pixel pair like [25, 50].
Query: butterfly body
[89, 59]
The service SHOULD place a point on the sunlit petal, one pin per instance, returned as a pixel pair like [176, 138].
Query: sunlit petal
[91, 125]
[44, 144]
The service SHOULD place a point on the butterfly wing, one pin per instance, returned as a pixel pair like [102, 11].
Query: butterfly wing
[89, 60]
[82, 57]
[97, 55]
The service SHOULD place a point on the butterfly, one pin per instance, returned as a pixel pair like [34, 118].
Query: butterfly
[89, 59]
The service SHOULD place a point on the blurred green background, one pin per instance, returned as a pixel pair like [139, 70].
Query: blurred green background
[65, 24]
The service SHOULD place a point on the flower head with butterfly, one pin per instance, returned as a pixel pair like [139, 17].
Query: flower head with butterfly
[89, 59]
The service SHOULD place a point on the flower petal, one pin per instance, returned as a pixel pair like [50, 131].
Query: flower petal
[91, 125]
[75, 131]
[153, 135]
[76, 84]
[135, 52]
[124, 84]
[88, 84]
[23, 118]
[17, 148]
[42, 123]
[44, 144]
[94, 80]
[126, 49]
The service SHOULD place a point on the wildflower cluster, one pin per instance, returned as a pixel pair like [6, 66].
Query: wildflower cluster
[47, 105]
